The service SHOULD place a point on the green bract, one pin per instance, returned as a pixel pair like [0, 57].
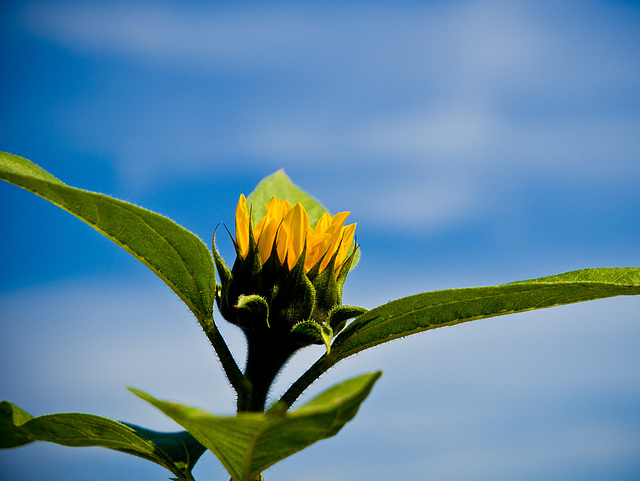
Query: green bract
[281, 309]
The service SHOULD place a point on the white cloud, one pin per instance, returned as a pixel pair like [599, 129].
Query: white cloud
[450, 133]
[465, 94]
[158, 32]
[488, 36]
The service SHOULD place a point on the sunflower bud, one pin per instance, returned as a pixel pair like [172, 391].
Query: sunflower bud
[287, 277]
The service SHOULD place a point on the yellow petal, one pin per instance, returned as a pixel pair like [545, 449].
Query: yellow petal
[296, 224]
[267, 229]
[317, 244]
[271, 209]
[323, 223]
[282, 240]
[267, 238]
[283, 209]
[345, 244]
[242, 226]
[335, 229]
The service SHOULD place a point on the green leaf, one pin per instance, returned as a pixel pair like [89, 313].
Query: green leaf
[180, 447]
[339, 316]
[430, 310]
[280, 186]
[177, 452]
[176, 255]
[11, 419]
[249, 443]
[317, 331]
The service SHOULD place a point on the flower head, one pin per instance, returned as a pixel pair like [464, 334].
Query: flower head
[285, 231]
[285, 286]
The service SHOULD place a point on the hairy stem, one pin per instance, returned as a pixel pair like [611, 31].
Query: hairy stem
[321, 366]
[266, 357]
[231, 369]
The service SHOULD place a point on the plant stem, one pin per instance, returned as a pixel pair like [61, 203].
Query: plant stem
[267, 354]
[231, 369]
[321, 366]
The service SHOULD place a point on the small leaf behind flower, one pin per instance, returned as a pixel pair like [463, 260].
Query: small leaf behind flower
[280, 186]
[178, 452]
[249, 443]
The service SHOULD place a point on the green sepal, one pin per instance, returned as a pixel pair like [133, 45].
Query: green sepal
[243, 280]
[226, 277]
[293, 299]
[247, 272]
[253, 307]
[339, 316]
[353, 255]
[346, 266]
[315, 330]
[272, 273]
[223, 271]
[327, 292]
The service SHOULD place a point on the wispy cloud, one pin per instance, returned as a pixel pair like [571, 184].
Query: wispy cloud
[453, 93]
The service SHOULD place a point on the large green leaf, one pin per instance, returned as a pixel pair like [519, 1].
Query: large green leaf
[176, 255]
[178, 452]
[249, 443]
[430, 310]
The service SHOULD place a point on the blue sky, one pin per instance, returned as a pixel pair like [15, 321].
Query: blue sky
[475, 143]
